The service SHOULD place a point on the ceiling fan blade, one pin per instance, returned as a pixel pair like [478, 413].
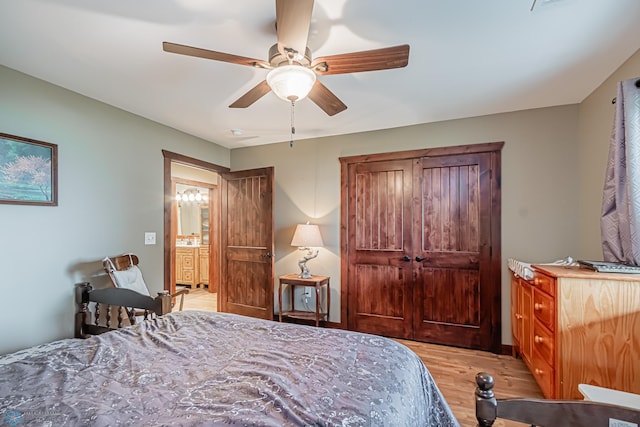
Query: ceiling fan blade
[293, 18]
[260, 90]
[325, 99]
[368, 60]
[211, 54]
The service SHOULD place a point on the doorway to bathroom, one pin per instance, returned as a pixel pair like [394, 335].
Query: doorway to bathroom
[238, 217]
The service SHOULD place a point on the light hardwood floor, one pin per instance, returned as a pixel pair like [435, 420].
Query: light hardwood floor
[200, 299]
[453, 369]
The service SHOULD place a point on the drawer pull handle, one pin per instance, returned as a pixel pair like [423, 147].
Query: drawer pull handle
[537, 306]
[538, 339]
[537, 281]
[518, 316]
[539, 372]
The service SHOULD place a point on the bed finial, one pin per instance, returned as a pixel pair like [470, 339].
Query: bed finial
[486, 404]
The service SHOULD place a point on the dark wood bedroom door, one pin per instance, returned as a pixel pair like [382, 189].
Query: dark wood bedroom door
[380, 278]
[453, 291]
[247, 243]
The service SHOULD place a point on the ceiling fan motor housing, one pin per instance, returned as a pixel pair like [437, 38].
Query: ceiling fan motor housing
[276, 58]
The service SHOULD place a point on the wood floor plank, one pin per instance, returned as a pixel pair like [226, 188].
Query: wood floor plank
[454, 369]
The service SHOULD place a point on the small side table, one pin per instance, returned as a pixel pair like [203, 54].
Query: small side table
[316, 282]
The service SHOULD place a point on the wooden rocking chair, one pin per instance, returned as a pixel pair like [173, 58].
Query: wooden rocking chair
[124, 273]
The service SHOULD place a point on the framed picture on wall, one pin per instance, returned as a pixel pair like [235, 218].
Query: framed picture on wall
[28, 171]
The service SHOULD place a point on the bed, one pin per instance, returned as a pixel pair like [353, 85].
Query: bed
[198, 368]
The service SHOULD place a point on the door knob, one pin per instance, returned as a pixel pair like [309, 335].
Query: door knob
[420, 259]
[406, 258]
[267, 255]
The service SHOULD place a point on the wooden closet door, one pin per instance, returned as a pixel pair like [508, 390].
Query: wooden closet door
[454, 290]
[379, 271]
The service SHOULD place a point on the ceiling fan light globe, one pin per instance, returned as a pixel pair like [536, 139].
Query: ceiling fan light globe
[291, 82]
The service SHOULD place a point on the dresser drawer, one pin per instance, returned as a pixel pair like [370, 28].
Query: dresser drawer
[544, 283]
[544, 309]
[543, 343]
[544, 375]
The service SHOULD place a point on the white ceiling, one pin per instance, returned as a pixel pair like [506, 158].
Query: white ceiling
[468, 58]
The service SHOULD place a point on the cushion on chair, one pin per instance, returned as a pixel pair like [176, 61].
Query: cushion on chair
[131, 278]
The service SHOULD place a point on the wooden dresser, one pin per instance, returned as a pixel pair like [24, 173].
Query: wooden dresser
[574, 326]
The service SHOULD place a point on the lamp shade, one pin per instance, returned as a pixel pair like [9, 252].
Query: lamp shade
[291, 82]
[306, 236]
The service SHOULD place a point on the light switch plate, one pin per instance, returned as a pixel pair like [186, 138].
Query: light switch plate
[149, 237]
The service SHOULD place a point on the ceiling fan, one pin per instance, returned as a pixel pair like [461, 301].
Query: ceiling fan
[292, 74]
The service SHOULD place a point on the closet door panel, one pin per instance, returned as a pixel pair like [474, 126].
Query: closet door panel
[452, 240]
[380, 276]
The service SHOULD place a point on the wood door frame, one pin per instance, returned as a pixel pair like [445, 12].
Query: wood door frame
[169, 191]
[496, 206]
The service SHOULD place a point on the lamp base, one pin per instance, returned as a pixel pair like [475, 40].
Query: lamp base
[305, 275]
[304, 270]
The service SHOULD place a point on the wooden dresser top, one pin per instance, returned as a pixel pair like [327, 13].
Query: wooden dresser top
[583, 273]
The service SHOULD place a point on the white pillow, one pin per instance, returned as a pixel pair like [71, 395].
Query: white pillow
[131, 278]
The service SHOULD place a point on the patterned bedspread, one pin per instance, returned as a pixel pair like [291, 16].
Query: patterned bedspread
[196, 368]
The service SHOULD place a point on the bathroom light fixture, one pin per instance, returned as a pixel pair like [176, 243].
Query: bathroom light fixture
[306, 237]
[191, 196]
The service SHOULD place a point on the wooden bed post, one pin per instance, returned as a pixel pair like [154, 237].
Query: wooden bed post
[486, 403]
[165, 298]
[82, 299]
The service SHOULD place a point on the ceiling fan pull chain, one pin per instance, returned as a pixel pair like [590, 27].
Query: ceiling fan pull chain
[293, 129]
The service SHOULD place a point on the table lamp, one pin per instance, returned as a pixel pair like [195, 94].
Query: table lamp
[305, 237]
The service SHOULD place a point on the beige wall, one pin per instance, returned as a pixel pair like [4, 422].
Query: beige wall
[110, 192]
[596, 120]
[539, 184]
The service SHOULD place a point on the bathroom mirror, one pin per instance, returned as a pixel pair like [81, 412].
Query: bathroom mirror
[193, 211]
